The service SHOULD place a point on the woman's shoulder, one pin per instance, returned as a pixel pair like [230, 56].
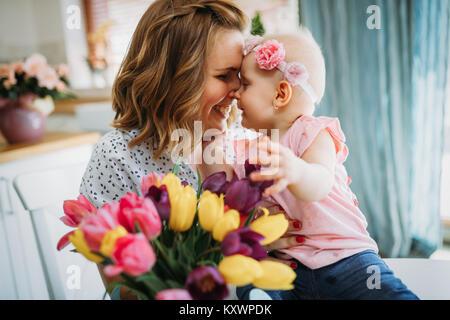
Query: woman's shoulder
[116, 140]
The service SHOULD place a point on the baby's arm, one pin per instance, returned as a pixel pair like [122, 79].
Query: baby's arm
[309, 178]
[315, 170]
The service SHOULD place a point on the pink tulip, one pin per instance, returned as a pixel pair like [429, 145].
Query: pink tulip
[64, 241]
[133, 255]
[34, 64]
[77, 210]
[173, 294]
[150, 180]
[141, 210]
[95, 226]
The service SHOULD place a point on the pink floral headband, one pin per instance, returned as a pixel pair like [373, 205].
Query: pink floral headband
[271, 54]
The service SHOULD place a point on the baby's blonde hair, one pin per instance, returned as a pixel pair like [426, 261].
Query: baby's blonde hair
[303, 48]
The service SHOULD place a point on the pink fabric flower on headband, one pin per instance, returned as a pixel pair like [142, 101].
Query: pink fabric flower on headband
[270, 54]
[296, 73]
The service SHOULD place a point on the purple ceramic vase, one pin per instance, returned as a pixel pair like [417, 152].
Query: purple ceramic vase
[20, 124]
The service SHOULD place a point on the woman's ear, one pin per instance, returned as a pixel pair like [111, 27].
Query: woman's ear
[283, 94]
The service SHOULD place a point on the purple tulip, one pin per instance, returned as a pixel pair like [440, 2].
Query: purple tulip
[244, 241]
[206, 283]
[242, 196]
[160, 198]
[216, 183]
[249, 168]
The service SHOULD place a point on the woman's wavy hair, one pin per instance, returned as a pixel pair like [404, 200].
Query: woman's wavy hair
[162, 78]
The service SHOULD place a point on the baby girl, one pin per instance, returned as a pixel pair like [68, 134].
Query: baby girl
[282, 80]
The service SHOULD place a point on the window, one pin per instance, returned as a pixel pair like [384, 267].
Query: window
[278, 16]
[445, 179]
[122, 16]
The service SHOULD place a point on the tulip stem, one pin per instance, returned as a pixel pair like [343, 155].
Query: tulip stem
[250, 218]
[210, 250]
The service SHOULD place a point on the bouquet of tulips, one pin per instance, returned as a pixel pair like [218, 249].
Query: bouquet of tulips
[174, 243]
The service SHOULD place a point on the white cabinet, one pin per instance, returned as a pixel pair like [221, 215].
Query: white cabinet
[21, 269]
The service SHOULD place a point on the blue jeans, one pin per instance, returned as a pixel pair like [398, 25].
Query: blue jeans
[361, 276]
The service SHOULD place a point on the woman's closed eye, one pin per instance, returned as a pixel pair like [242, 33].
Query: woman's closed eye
[223, 76]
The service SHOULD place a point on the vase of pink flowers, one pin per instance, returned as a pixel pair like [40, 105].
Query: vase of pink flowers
[28, 89]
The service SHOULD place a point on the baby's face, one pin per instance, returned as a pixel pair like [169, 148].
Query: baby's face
[256, 94]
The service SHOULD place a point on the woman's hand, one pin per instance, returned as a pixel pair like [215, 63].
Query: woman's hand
[286, 242]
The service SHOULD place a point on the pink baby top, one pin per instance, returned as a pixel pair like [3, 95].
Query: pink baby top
[334, 228]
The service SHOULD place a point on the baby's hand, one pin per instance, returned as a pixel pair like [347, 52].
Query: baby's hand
[278, 163]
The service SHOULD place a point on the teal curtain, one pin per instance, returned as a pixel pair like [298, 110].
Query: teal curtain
[387, 86]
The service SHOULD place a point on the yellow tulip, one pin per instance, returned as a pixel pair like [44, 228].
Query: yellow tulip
[229, 222]
[77, 239]
[272, 227]
[276, 276]
[183, 205]
[240, 270]
[210, 210]
[109, 240]
[172, 183]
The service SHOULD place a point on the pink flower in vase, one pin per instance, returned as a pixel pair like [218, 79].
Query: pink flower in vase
[10, 79]
[18, 67]
[47, 77]
[63, 70]
[34, 64]
[4, 71]
[61, 86]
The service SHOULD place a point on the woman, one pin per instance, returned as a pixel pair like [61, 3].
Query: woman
[182, 65]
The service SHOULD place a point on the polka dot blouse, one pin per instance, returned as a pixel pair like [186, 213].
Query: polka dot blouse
[115, 170]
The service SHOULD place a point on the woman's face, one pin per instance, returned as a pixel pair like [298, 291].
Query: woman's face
[223, 64]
